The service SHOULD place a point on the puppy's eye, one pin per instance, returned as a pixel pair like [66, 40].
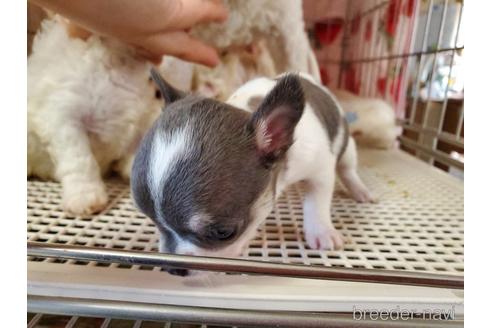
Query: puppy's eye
[222, 232]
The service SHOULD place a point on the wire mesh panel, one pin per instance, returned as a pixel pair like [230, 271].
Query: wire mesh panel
[39, 320]
[407, 52]
[416, 225]
[411, 54]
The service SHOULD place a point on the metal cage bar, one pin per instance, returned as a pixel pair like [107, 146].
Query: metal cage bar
[445, 102]
[404, 55]
[243, 266]
[419, 70]
[431, 141]
[432, 76]
[189, 314]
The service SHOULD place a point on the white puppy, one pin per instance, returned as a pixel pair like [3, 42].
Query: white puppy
[89, 104]
[208, 172]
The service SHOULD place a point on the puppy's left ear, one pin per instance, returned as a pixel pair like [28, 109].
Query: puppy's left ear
[168, 92]
[274, 121]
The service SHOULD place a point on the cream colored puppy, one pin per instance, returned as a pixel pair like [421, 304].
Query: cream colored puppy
[89, 103]
[372, 121]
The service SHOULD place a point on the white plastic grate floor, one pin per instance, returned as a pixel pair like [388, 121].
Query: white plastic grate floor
[40, 320]
[416, 225]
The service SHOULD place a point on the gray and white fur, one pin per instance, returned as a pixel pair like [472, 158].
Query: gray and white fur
[207, 173]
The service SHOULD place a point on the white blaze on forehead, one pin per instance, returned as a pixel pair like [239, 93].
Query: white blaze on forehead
[166, 150]
[182, 246]
[198, 221]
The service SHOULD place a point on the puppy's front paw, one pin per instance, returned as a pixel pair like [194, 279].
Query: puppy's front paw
[326, 238]
[84, 199]
[363, 195]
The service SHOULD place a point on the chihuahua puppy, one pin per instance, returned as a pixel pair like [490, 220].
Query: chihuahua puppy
[207, 172]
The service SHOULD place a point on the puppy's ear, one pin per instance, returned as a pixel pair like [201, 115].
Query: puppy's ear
[274, 121]
[168, 92]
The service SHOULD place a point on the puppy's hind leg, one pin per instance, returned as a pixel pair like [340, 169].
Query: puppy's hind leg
[77, 170]
[347, 171]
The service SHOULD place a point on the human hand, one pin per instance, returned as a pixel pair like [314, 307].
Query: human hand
[154, 27]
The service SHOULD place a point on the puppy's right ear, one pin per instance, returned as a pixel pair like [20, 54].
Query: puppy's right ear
[274, 121]
[168, 92]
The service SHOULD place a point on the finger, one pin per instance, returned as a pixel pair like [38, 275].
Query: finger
[180, 44]
[145, 54]
[191, 12]
[76, 31]
[213, 11]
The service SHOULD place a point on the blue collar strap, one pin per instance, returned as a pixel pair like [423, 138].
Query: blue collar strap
[351, 117]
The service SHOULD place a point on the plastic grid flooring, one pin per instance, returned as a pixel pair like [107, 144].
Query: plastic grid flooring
[417, 223]
[40, 320]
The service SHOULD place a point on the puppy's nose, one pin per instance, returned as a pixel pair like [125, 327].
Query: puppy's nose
[179, 272]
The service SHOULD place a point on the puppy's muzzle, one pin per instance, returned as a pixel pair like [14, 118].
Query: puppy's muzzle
[179, 272]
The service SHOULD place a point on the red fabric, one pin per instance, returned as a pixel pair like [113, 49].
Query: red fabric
[327, 31]
[394, 87]
[368, 31]
[409, 7]
[355, 24]
[392, 17]
[351, 82]
[325, 76]
[379, 25]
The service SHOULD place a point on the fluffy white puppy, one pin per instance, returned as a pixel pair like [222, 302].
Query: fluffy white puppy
[89, 103]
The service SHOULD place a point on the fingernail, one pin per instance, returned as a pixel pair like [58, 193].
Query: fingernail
[214, 61]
